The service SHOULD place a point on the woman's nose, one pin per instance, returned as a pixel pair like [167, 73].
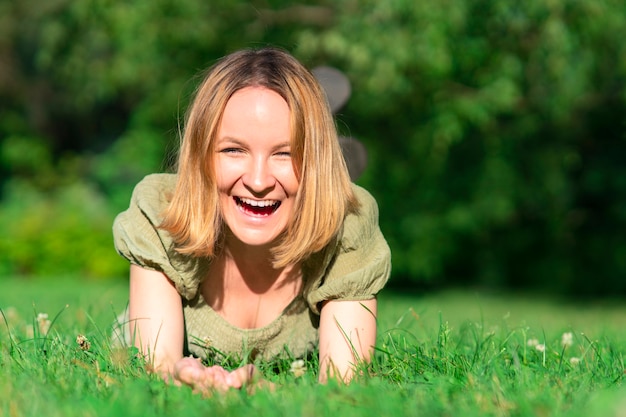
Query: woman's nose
[259, 178]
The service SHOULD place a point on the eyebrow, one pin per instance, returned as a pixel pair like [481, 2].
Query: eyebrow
[230, 139]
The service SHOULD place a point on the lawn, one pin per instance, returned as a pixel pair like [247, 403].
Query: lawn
[463, 352]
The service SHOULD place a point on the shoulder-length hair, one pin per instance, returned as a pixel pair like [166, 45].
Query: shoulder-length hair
[324, 196]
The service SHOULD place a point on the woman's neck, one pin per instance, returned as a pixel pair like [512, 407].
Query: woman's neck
[255, 266]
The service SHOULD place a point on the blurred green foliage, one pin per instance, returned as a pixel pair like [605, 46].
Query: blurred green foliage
[495, 130]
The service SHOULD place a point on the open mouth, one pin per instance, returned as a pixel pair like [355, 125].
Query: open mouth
[256, 207]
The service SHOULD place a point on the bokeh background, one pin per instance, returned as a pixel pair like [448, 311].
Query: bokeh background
[495, 129]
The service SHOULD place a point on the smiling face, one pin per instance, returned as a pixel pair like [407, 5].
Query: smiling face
[256, 181]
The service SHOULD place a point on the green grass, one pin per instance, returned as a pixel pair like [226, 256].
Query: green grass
[462, 353]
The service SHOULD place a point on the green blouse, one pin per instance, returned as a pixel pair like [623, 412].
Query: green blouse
[355, 267]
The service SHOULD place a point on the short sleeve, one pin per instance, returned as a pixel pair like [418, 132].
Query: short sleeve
[137, 237]
[361, 263]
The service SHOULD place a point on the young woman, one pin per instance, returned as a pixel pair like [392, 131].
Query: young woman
[259, 245]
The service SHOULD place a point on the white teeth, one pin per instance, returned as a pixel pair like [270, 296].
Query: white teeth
[256, 203]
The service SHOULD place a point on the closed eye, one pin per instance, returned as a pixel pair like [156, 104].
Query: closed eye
[231, 150]
[283, 151]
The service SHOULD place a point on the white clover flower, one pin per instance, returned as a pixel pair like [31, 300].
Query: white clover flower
[567, 339]
[532, 342]
[43, 323]
[83, 342]
[540, 347]
[574, 361]
[298, 368]
[208, 342]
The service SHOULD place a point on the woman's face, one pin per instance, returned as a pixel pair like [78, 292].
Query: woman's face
[256, 181]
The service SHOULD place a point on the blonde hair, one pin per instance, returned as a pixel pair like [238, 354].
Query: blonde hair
[324, 196]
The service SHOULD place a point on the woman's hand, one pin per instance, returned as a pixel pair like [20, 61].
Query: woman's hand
[205, 380]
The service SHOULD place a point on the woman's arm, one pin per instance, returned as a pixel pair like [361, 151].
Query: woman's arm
[157, 330]
[347, 337]
[156, 318]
